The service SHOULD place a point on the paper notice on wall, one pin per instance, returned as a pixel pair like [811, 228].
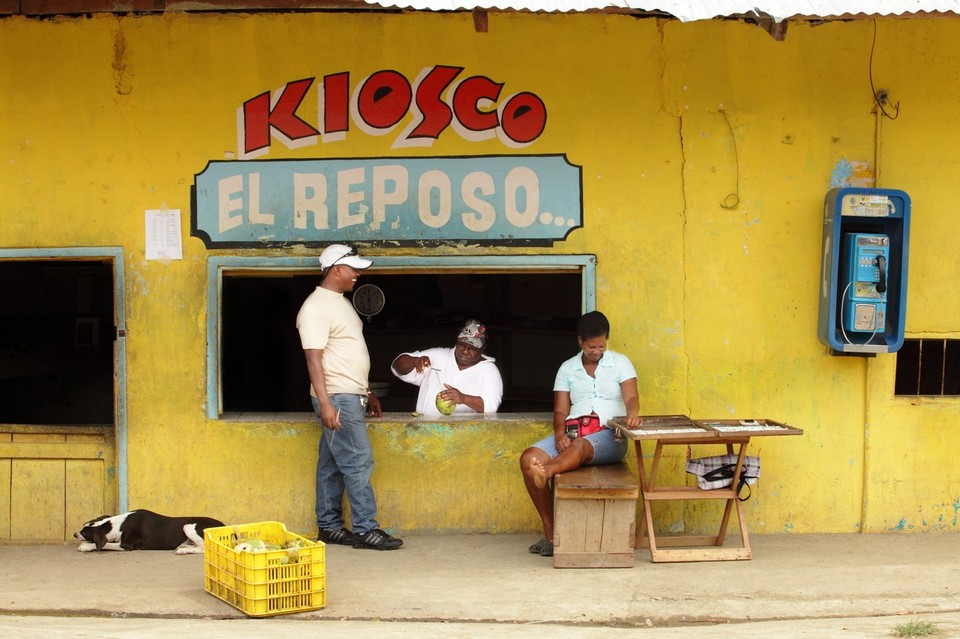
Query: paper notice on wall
[163, 235]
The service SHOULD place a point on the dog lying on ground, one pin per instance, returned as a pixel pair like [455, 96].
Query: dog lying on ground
[145, 530]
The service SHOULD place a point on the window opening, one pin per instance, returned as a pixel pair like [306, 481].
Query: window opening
[530, 309]
[928, 367]
[56, 342]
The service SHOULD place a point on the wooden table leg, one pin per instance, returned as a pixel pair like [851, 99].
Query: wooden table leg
[722, 534]
[642, 473]
[646, 534]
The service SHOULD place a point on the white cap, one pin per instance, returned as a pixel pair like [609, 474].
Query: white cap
[342, 254]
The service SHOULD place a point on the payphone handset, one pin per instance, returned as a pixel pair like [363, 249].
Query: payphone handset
[864, 299]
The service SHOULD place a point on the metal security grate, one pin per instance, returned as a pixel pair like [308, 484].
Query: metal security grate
[928, 367]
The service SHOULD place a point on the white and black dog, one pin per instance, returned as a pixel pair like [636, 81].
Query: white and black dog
[145, 530]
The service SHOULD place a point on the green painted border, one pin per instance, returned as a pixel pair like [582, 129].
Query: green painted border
[216, 265]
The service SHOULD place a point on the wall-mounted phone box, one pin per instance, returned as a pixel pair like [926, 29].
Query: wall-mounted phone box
[863, 287]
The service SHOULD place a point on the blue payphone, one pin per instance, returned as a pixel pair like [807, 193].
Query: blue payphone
[864, 297]
[864, 270]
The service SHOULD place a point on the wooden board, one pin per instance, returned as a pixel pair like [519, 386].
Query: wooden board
[50, 483]
[661, 427]
[594, 533]
[667, 427]
[595, 510]
[608, 480]
[752, 427]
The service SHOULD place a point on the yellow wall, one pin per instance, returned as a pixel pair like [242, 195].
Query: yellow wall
[706, 149]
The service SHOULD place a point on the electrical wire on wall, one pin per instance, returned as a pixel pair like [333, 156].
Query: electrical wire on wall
[880, 98]
[732, 200]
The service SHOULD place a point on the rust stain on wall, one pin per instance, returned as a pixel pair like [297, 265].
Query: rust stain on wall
[121, 79]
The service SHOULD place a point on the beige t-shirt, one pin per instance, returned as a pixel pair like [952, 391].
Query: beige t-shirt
[328, 321]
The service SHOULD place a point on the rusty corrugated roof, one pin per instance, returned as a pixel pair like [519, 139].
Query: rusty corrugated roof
[684, 10]
[690, 10]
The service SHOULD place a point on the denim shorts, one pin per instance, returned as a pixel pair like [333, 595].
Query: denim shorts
[607, 449]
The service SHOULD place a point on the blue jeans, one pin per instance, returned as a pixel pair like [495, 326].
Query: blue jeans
[607, 449]
[345, 462]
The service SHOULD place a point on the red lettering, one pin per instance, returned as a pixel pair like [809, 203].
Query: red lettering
[381, 102]
[335, 103]
[259, 118]
[523, 117]
[383, 99]
[466, 103]
[436, 113]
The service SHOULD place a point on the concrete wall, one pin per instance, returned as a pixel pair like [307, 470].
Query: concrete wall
[706, 149]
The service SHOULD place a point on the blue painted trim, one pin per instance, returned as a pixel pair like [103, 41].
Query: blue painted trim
[120, 317]
[213, 337]
[121, 363]
[216, 264]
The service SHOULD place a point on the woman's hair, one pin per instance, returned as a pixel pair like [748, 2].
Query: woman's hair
[593, 324]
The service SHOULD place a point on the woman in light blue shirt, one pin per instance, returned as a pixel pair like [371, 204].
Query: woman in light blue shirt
[595, 382]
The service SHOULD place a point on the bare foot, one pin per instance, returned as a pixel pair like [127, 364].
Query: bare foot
[538, 472]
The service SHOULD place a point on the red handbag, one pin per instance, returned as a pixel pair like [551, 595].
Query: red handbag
[585, 425]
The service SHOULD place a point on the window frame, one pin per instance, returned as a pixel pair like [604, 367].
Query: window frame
[115, 256]
[585, 264]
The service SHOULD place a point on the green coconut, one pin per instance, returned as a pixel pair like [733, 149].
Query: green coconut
[445, 406]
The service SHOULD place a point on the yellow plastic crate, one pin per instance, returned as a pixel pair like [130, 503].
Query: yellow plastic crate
[265, 583]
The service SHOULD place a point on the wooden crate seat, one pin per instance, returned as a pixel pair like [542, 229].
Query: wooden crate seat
[594, 510]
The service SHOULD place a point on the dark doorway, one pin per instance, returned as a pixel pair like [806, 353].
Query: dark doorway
[531, 318]
[56, 342]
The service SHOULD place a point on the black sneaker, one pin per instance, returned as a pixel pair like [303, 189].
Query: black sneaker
[376, 539]
[338, 536]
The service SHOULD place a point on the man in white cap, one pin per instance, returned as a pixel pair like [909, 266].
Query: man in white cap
[463, 374]
[338, 362]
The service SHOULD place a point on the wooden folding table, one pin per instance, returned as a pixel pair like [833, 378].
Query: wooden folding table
[666, 430]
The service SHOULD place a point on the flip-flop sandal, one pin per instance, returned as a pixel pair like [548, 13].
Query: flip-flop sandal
[537, 548]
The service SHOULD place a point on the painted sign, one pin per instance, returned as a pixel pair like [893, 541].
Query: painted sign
[498, 200]
[473, 107]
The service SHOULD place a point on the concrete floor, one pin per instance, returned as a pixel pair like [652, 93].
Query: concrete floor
[481, 585]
